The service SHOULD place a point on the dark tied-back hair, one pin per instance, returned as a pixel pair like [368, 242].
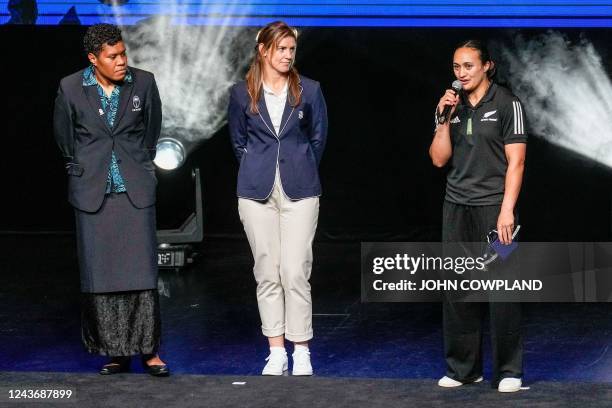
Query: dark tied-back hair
[99, 34]
[483, 52]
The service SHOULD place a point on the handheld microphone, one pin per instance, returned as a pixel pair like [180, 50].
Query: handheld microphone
[445, 115]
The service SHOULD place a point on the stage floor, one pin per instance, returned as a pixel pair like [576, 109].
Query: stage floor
[211, 325]
[92, 390]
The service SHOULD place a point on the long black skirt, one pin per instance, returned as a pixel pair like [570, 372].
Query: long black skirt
[117, 251]
[117, 246]
[122, 323]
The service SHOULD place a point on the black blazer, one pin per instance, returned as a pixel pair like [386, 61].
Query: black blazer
[86, 141]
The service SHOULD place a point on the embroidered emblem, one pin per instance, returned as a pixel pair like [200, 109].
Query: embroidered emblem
[101, 112]
[300, 114]
[487, 117]
[455, 120]
[136, 104]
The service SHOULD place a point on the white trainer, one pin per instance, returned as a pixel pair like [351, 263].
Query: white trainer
[278, 362]
[510, 385]
[448, 382]
[301, 361]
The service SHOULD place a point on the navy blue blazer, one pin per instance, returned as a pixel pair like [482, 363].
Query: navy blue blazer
[297, 148]
[86, 141]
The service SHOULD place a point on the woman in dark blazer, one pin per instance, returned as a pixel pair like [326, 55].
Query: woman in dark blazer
[278, 129]
[107, 121]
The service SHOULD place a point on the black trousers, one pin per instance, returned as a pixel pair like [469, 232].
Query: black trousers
[463, 321]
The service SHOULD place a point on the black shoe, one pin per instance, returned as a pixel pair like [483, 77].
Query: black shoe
[116, 365]
[156, 370]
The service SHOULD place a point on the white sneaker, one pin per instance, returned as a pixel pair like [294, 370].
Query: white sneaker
[448, 382]
[277, 362]
[301, 361]
[510, 385]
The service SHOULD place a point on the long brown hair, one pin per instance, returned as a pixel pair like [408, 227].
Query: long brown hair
[270, 36]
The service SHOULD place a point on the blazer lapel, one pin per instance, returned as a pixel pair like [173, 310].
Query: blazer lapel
[265, 116]
[125, 97]
[288, 112]
[94, 100]
[286, 116]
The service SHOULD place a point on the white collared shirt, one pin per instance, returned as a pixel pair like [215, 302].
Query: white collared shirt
[275, 104]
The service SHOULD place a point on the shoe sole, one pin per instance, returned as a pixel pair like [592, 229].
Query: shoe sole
[160, 375]
[274, 375]
[122, 371]
[302, 374]
[510, 390]
[476, 381]
[285, 369]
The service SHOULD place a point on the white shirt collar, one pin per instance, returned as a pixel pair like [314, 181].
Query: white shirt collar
[269, 90]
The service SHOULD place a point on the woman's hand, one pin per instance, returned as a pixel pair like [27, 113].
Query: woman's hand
[505, 226]
[450, 98]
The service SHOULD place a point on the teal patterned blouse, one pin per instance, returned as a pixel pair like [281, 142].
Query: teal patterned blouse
[110, 104]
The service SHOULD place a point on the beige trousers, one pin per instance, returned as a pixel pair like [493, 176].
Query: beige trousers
[280, 232]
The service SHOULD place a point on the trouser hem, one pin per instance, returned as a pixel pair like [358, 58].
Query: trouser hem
[299, 337]
[273, 332]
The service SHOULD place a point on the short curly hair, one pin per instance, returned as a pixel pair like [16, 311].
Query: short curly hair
[99, 34]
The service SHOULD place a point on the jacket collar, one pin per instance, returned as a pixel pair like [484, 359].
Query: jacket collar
[287, 112]
[89, 76]
[91, 91]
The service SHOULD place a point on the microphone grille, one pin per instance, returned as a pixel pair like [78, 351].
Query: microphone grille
[457, 86]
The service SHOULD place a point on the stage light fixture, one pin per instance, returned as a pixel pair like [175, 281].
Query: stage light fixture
[170, 155]
[175, 248]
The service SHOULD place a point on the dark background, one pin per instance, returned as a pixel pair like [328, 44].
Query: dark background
[381, 87]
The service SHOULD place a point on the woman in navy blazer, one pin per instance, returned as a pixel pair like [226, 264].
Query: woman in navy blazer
[278, 129]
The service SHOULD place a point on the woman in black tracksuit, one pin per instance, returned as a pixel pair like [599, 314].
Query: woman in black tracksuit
[484, 144]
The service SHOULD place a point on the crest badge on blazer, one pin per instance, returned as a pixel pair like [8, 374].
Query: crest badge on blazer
[136, 104]
[300, 114]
